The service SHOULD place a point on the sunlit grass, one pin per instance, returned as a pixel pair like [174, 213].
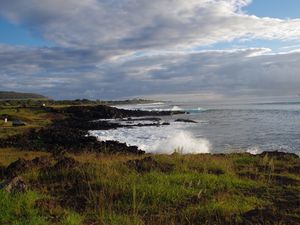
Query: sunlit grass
[9, 155]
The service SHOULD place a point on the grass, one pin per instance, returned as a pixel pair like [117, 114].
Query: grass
[19, 209]
[201, 189]
[10, 155]
[35, 117]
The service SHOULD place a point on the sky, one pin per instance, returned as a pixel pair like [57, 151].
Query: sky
[170, 49]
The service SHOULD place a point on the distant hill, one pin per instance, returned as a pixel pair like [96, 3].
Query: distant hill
[10, 95]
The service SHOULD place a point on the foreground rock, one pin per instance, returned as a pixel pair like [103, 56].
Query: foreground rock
[22, 165]
[15, 185]
[57, 139]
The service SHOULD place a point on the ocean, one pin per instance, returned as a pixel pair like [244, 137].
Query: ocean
[253, 126]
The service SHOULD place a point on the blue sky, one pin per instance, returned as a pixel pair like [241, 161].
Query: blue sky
[275, 8]
[13, 34]
[127, 48]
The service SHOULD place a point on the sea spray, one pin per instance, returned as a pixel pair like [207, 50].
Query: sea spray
[254, 150]
[184, 142]
[162, 139]
[161, 107]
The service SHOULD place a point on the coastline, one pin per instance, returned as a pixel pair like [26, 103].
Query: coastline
[68, 175]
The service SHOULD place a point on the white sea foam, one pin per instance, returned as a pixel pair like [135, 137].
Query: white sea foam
[254, 150]
[163, 139]
[176, 108]
[161, 107]
[145, 106]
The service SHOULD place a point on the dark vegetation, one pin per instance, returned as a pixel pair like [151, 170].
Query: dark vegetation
[10, 95]
[37, 101]
[52, 172]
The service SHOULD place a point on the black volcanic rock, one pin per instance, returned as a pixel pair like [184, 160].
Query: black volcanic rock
[185, 121]
[107, 112]
[280, 155]
[71, 134]
[22, 165]
[17, 167]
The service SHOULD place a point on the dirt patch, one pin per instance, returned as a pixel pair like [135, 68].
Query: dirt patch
[148, 164]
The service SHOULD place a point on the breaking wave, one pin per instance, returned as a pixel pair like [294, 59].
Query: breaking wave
[159, 140]
[161, 107]
[254, 150]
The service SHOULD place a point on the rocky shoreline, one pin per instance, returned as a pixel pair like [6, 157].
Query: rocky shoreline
[71, 133]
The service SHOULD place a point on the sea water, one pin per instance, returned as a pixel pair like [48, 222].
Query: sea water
[222, 127]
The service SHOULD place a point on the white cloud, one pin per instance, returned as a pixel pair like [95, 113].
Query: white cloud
[144, 24]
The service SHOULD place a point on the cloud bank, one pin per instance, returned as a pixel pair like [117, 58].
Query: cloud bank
[117, 48]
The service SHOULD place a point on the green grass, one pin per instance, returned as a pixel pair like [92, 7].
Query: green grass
[107, 191]
[34, 117]
[19, 209]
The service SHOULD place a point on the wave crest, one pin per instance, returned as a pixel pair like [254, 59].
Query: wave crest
[159, 140]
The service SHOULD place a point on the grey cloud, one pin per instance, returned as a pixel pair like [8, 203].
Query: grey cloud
[71, 74]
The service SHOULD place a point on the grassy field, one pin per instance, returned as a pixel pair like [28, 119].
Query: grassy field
[194, 189]
[93, 188]
[35, 117]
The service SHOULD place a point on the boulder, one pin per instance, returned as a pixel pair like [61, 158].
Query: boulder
[15, 185]
[22, 165]
[17, 167]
